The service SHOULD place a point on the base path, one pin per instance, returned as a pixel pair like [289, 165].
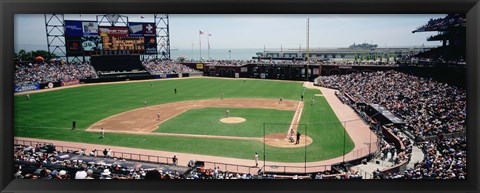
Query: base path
[357, 130]
[144, 120]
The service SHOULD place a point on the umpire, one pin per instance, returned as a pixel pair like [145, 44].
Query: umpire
[298, 137]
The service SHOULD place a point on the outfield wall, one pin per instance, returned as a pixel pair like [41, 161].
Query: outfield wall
[49, 85]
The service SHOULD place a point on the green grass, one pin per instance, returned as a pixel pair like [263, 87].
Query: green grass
[206, 121]
[46, 113]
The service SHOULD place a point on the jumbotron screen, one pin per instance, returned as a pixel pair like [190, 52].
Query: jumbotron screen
[86, 38]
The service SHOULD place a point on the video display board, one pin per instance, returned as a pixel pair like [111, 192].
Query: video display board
[86, 38]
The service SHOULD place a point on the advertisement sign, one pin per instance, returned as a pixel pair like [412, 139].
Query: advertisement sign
[199, 66]
[237, 75]
[91, 44]
[90, 28]
[74, 46]
[27, 87]
[243, 69]
[73, 28]
[150, 45]
[113, 31]
[123, 43]
[70, 82]
[135, 29]
[262, 75]
[149, 29]
[316, 71]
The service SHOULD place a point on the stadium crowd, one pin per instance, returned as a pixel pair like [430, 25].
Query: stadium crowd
[50, 72]
[298, 62]
[443, 23]
[445, 159]
[42, 161]
[358, 63]
[429, 108]
[166, 67]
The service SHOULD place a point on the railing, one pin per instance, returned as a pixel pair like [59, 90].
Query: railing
[137, 157]
[232, 167]
[57, 147]
[296, 169]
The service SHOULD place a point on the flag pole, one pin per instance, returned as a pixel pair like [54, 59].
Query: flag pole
[192, 49]
[200, 46]
[208, 41]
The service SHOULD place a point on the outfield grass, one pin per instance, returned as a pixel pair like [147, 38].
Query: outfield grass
[48, 115]
[206, 121]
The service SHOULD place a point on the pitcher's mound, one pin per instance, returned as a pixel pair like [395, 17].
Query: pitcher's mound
[233, 120]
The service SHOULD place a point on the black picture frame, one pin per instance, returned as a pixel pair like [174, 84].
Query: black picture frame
[9, 8]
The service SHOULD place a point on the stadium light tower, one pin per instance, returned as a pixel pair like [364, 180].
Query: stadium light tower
[163, 36]
[55, 31]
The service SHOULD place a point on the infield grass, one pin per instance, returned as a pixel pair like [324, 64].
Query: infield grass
[49, 115]
[206, 121]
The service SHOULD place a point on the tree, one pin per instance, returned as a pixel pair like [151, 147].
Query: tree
[24, 56]
[361, 57]
[388, 57]
[356, 57]
[375, 57]
[368, 57]
[395, 58]
[381, 57]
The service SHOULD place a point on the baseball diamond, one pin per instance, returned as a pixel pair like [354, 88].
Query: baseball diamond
[190, 121]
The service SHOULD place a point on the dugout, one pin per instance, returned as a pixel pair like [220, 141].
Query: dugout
[382, 115]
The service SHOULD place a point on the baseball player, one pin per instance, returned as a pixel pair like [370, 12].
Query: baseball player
[175, 90]
[144, 103]
[280, 101]
[221, 96]
[312, 101]
[28, 97]
[256, 159]
[158, 116]
[227, 112]
[74, 124]
[102, 132]
[298, 137]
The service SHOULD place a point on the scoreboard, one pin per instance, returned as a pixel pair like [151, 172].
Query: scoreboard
[86, 38]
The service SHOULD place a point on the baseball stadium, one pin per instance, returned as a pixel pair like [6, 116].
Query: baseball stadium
[113, 104]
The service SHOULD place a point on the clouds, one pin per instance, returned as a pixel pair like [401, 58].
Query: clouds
[255, 31]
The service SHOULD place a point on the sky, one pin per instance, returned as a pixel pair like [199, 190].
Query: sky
[258, 31]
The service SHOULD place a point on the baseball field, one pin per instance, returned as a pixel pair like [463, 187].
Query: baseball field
[192, 120]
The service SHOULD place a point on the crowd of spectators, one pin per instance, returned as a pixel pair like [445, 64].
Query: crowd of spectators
[298, 62]
[429, 108]
[444, 159]
[443, 23]
[41, 161]
[359, 63]
[442, 55]
[167, 67]
[216, 173]
[34, 73]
